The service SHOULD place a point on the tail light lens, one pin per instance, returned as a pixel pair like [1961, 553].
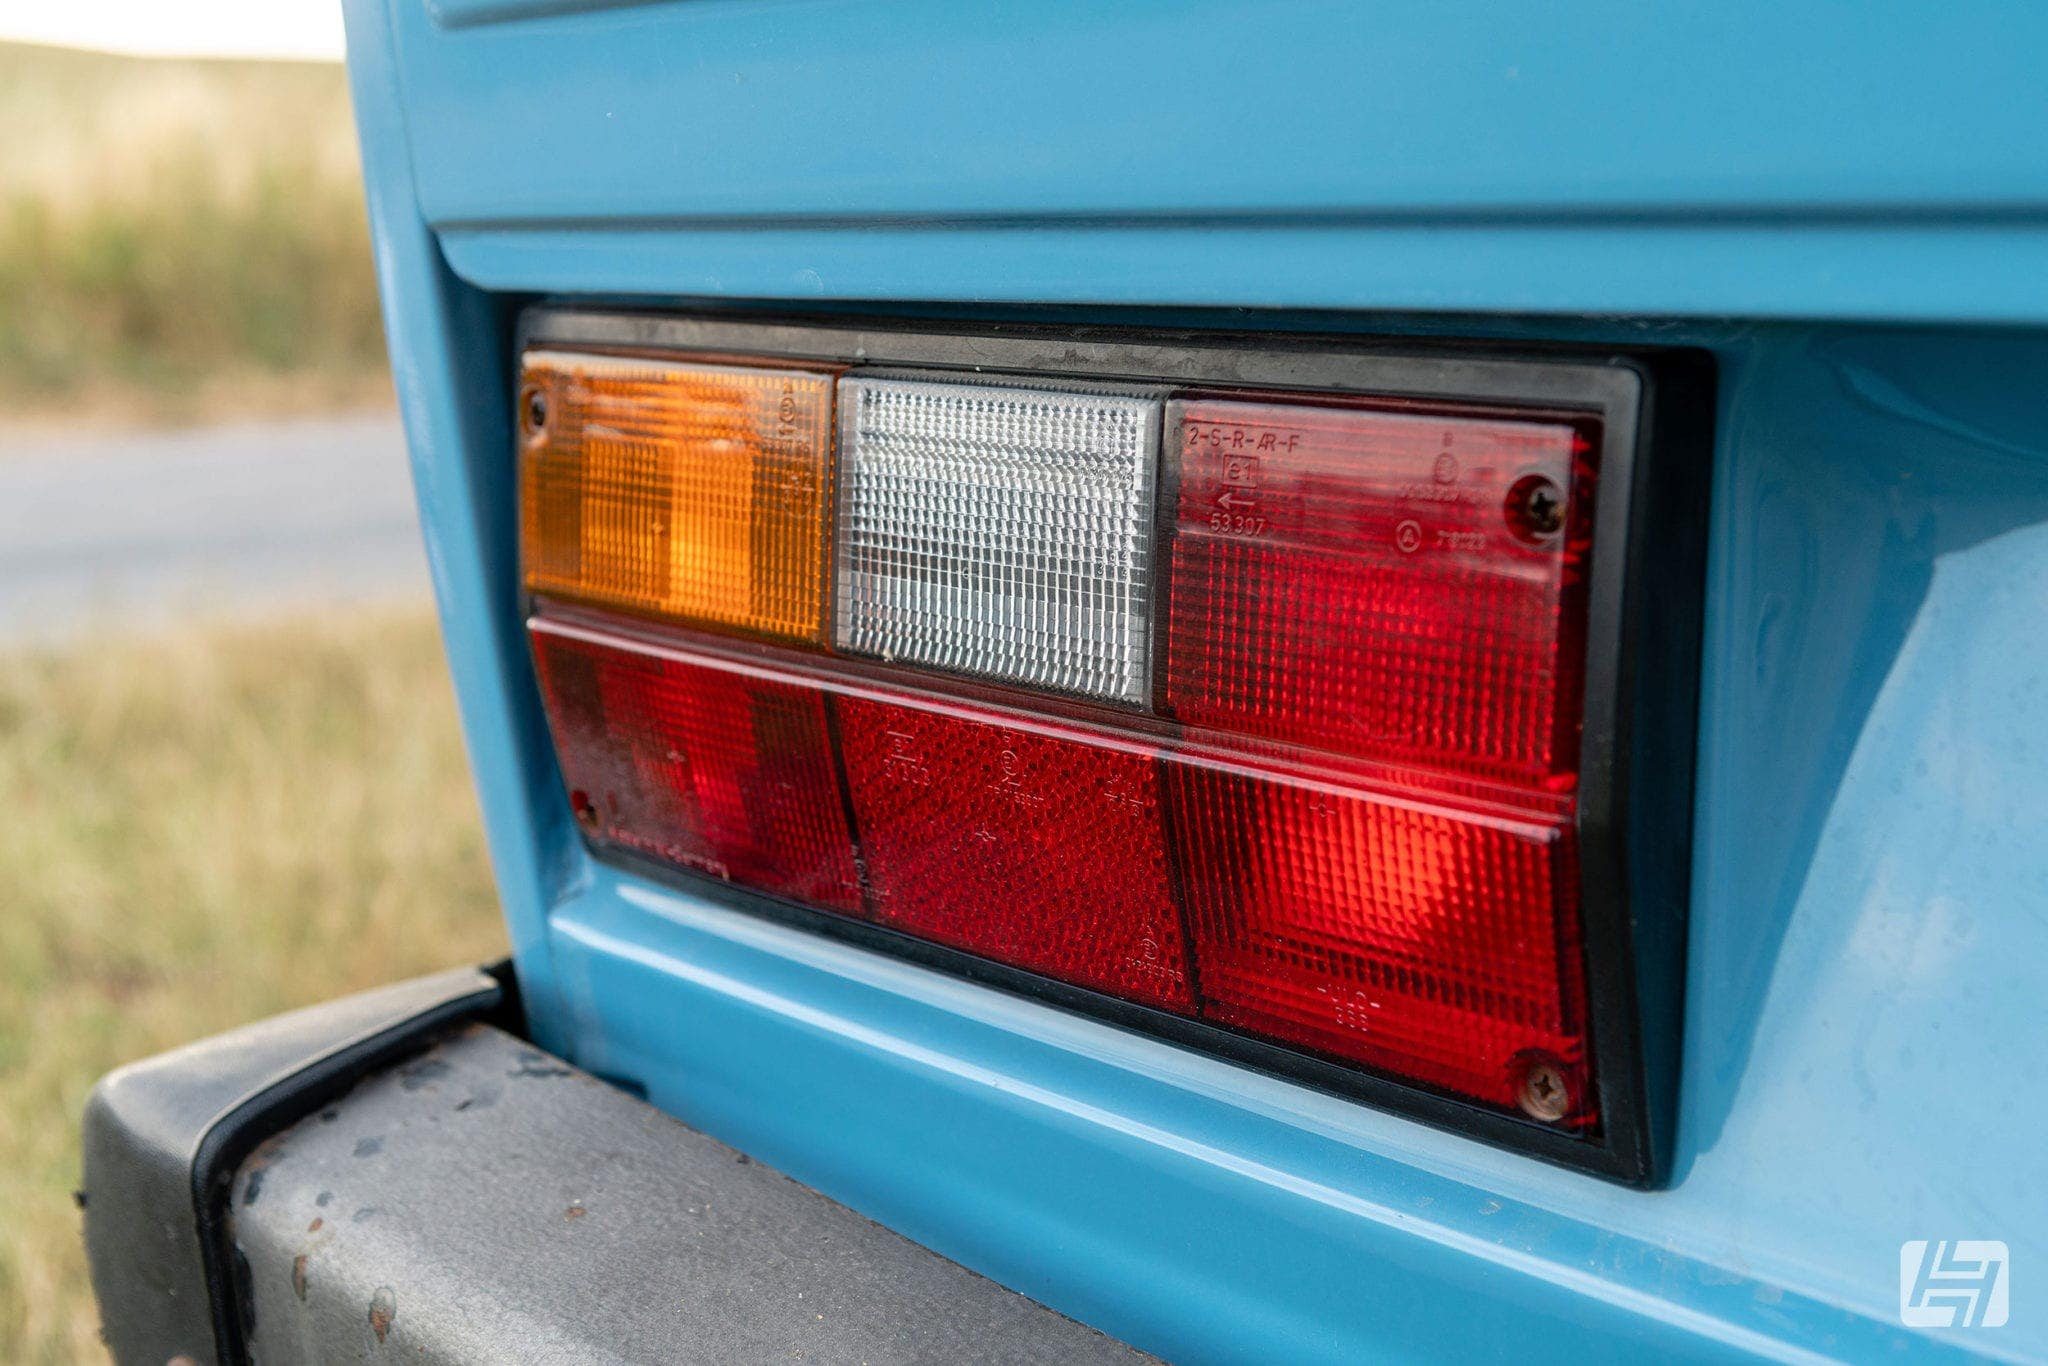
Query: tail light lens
[1434, 944]
[1040, 851]
[696, 492]
[1338, 811]
[999, 532]
[1397, 586]
[1441, 946]
[708, 770]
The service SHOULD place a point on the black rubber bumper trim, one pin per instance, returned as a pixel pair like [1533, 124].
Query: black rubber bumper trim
[284, 1103]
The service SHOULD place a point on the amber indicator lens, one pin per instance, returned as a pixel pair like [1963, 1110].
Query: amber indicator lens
[693, 491]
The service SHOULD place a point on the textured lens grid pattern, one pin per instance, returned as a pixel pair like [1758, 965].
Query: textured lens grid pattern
[701, 768]
[999, 532]
[1041, 852]
[683, 490]
[1363, 583]
[1408, 939]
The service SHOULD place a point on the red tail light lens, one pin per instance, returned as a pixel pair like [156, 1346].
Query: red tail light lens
[1438, 946]
[1268, 714]
[1399, 586]
[700, 767]
[1043, 853]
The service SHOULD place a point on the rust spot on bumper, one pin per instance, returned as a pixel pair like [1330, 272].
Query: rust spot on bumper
[383, 1309]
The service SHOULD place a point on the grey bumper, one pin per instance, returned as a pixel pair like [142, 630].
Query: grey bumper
[390, 1177]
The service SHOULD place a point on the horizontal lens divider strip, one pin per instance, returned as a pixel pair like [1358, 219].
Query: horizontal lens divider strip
[1510, 809]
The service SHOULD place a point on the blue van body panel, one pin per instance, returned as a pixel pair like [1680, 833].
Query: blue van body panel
[1900, 271]
[939, 109]
[1744, 160]
[1863, 1056]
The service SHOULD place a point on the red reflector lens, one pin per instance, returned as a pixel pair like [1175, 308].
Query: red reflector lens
[700, 767]
[1040, 852]
[1394, 586]
[1441, 948]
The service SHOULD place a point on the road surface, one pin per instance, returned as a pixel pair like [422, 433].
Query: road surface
[116, 531]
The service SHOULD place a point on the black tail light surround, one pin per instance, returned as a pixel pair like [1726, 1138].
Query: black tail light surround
[1323, 703]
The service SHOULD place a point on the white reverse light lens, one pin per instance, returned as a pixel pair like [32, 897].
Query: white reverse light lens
[1002, 532]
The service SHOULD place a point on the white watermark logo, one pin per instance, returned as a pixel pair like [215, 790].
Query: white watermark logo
[1954, 1284]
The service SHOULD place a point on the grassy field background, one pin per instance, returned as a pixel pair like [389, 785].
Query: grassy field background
[204, 829]
[180, 240]
[213, 825]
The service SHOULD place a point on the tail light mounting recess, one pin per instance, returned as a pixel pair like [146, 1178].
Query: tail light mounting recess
[1124, 661]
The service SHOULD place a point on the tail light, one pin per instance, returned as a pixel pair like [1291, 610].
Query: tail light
[1038, 849]
[1279, 721]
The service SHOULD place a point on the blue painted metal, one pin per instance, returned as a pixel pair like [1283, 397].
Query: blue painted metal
[463, 13]
[1889, 271]
[1863, 1058]
[937, 109]
[1753, 159]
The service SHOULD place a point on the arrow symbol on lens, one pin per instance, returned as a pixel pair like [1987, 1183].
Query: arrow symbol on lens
[1227, 499]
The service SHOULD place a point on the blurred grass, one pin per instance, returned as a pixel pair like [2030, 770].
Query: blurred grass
[180, 239]
[205, 829]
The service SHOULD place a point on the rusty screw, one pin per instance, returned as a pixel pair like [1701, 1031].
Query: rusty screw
[585, 809]
[1535, 508]
[1544, 1094]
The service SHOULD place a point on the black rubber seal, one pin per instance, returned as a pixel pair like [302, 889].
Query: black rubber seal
[235, 1135]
